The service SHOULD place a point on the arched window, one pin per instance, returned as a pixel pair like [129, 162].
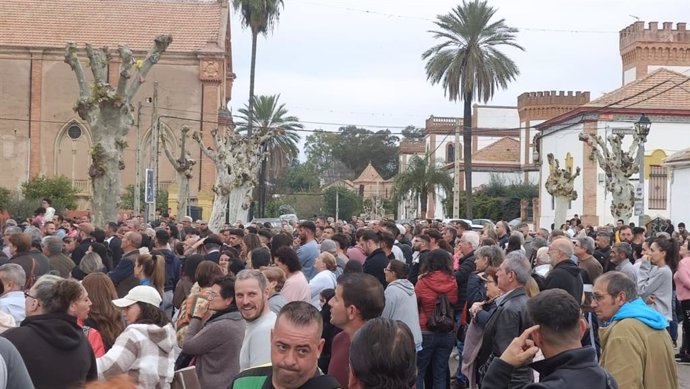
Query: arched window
[450, 153]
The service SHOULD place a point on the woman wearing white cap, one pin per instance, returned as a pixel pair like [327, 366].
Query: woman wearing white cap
[145, 349]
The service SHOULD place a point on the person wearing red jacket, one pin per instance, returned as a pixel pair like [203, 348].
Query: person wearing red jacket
[436, 279]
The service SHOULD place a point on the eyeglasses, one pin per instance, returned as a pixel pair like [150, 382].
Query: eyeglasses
[387, 270]
[598, 297]
[27, 295]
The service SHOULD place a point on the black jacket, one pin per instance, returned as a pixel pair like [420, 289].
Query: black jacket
[374, 265]
[466, 267]
[55, 351]
[508, 321]
[172, 269]
[570, 369]
[115, 245]
[80, 250]
[566, 275]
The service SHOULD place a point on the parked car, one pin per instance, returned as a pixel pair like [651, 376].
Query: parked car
[484, 222]
[475, 227]
[275, 223]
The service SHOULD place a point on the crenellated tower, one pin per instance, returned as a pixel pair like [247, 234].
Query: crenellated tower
[644, 50]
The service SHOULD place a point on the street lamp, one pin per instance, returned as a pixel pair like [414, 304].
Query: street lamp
[641, 131]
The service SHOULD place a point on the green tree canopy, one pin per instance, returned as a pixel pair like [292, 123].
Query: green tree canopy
[349, 203]
[413, 133]
[352, 148]
[299, 177]
[58, 189]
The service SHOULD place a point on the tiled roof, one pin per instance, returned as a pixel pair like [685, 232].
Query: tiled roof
[52, 23]
[662, 89]
[679, 157]
[503, 150]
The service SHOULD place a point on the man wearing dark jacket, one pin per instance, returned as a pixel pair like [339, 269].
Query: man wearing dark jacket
[567, 364]
[565, 273]
[509, 320]
[468, 242]
[114, 242]
[123, 274]
[85, 231]
[172, 268]
[376, 259]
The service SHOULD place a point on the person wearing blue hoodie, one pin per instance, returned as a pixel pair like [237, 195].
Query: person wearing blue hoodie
[636, 349]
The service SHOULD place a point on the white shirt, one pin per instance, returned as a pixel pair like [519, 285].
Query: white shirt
[256, 346]
[322, 280]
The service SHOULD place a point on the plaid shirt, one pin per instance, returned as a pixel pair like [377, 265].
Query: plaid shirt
[145, 352]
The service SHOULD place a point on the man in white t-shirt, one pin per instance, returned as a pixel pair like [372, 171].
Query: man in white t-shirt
[251, 296]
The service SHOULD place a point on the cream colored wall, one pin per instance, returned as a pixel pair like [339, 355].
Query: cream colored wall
[14, 134]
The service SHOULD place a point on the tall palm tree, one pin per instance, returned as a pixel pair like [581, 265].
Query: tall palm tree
[421, 178]
[260, 16]
[469, 65]
[269, 115]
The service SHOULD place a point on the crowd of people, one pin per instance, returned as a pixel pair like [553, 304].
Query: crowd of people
[329, 303]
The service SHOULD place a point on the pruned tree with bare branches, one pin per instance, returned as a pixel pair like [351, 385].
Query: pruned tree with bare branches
[183, 166]
[618, 166]
[108, 112]
[237, 159]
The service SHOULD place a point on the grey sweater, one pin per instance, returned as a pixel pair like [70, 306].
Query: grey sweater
[216, 346]
[13, 373]
[658, 282]
[401, 304]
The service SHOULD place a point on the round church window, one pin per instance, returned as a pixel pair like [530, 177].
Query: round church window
[74, 132]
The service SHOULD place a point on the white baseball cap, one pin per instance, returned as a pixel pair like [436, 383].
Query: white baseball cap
[142, 293]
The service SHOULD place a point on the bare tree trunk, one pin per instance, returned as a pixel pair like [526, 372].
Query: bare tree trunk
[183, 166]
[252, 74]
[467, 153]
[237, 159]
[108, 112]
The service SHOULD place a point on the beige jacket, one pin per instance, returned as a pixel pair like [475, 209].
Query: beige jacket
[638, 356]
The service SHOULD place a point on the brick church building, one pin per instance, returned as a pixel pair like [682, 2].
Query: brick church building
[40, 134]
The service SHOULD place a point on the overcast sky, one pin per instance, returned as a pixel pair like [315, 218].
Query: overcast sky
[359, 61]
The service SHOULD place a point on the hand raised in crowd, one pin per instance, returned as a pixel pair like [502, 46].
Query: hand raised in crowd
[521, 350]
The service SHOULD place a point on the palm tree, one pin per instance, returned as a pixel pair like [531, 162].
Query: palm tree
[420, 179]
[469, 65]
[260, 16]
[268, 116]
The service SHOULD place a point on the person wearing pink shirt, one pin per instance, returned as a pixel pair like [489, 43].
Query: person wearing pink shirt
[682, 279]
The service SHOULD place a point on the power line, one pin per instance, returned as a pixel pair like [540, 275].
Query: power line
[397, 16]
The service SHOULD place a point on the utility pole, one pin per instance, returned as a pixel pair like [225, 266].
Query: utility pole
[137, 177]
[153, 163]
[456, 171]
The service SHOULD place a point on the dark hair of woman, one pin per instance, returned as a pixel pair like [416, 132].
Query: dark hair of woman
[151, 315]
[64, 293]
[438, 260]
[514, 244]
[353, 267]
[103, 315]
[207, 272]
[399, 269]
[190, 265]
[280, 240]
[289, 258]
[671, 249]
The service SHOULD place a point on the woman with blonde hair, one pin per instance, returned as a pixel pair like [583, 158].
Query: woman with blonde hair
[149, 269]
[325, 266]
[103, 316]
[276, 280]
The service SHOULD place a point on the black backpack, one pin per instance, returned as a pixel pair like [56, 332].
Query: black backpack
[442, 319]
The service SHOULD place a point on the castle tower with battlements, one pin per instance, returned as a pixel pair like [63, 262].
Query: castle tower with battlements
[644, 50]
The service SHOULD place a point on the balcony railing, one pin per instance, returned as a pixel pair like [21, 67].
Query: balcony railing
[83, 187]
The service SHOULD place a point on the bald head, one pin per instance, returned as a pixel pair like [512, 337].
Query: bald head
[560, 249]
